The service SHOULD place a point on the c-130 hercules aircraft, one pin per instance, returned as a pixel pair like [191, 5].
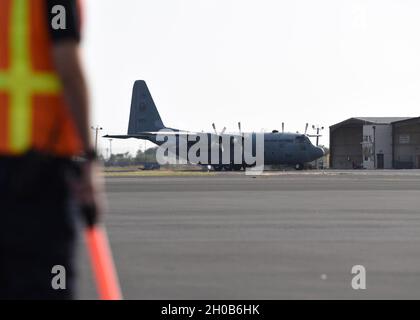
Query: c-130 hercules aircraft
[280, 148]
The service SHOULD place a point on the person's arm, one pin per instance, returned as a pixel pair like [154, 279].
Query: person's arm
[88, 188]
[68, 66]
[66, 57]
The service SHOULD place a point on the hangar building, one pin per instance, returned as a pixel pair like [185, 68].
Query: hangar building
[406, 143]
[375, 143]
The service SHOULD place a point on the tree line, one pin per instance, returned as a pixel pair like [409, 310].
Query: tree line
[127, 159]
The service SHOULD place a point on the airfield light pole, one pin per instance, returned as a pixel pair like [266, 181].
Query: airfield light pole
[110, 148]
[97, 129]
[318, 129]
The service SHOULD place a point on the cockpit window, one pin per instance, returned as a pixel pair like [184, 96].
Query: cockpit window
[300, 139]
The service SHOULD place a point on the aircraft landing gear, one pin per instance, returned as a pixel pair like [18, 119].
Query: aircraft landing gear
[237, 167]
[299, 166]
[227, 167]
[233, 167]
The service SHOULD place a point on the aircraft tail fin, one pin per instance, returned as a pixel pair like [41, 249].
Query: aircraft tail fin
[144, 115]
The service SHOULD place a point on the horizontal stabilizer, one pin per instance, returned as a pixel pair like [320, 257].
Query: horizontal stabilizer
[127, 136]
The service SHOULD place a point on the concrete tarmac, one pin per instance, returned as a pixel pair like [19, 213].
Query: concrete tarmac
[283, 235]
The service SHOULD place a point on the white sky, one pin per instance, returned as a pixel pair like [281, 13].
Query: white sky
[260, 62]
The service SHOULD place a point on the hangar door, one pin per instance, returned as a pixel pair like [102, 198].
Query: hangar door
[380, 163]
[346, 147]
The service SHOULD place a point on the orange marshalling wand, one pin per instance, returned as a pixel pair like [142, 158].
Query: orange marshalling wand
[102, 263]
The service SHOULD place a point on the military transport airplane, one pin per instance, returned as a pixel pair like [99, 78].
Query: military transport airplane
[280, 148]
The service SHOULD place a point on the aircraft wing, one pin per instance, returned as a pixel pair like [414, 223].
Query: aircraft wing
[148, 134]
[145, 134]
[124, 136]
[188, 133]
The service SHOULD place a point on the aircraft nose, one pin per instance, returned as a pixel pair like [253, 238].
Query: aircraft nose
[320, 152]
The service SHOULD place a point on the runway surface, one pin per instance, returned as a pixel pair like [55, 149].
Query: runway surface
[278, 236]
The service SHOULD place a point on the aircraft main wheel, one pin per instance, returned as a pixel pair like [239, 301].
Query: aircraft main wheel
[217, 167]
[237, 167]
[299, 166]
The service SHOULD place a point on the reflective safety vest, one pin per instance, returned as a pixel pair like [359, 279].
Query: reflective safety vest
[33, 112]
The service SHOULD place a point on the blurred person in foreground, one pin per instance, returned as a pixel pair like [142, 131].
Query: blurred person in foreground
[44, 116]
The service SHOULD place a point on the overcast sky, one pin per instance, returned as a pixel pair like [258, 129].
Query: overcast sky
[259, 62]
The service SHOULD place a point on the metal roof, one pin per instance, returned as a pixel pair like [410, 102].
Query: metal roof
[370, 120]
[408, 120]
[382, 120]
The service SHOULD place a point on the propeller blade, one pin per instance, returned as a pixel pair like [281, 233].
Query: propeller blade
[282, 127]
[306, 128]
[223, 131]
[214, 128]
[239, 126]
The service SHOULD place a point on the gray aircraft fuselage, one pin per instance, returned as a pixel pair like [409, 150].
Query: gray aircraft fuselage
[279, 148]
